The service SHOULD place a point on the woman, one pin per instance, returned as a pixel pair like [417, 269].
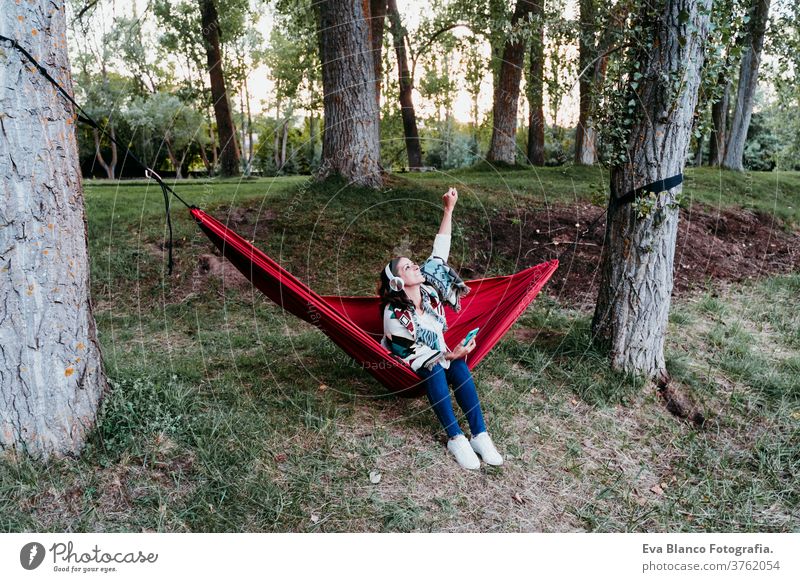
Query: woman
[412, 307]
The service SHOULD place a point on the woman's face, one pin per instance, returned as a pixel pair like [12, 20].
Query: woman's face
[409, 272]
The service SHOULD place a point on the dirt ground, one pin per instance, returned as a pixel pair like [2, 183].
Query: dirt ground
[726, 245]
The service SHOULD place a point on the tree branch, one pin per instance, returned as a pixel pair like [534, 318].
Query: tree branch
[91, 4]
[416, 54]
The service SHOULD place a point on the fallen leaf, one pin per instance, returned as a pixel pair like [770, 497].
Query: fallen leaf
[323, 387]
[314, 518]
[516, 498]
[374, 477]
[280, 457]
[574, 402]
[657, 490]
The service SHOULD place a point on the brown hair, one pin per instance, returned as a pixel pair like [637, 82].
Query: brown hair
[397, 299]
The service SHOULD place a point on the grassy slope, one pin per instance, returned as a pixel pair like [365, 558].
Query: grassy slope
[228, 415]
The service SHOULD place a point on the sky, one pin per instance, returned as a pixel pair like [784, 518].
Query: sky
[261, 86]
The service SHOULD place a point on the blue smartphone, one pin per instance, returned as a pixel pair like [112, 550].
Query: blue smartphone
[470, 335]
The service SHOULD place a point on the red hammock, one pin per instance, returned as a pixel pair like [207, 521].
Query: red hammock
[354, 323]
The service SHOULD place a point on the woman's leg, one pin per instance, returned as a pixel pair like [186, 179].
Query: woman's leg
[439, 397]
[466, 395]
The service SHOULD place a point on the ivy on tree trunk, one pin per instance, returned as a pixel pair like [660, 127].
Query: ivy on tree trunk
[630, 318]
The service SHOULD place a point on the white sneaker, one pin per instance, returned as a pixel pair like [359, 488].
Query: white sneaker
[459, 447]
[483, 445]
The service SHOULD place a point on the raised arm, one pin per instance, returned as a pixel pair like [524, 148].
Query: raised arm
[441, 245]
[450, 198]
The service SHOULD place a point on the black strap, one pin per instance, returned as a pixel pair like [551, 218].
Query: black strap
[657, 186]
[87, 119]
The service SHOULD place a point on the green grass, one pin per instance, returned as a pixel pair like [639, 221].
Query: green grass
[226, 414]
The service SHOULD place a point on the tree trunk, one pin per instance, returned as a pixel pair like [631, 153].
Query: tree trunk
[350, 139]
[98, 155]
[377, 15]
[748, 81]
[214, 148]
[249, 128]
[284, 141]
[535, 85]
[173, 158]
[503, 147]
[587, 53]
[229, 149]
[630, 318]
[313, 131]
[51, 373]
[413, 149]
[206, 161]
[243, 129]
[698, 154]
[114, 154]
[719, 118]
[276, 154]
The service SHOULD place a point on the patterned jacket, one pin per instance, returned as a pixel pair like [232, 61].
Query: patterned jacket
[401, 334]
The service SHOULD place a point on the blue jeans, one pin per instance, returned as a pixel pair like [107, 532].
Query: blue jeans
[466, 395]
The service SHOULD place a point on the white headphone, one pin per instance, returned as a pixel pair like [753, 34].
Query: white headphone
[395, 283]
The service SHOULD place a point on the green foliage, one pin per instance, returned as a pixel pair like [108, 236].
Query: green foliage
[163, 119]
[783, 112]
[138, 407]
[297, 158]
[761, 147]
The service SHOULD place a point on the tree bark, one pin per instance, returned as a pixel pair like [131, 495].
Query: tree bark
[229, 148]
[350, 139]
[276, 155]
[173, 158]
[249, 164]
[748, 81]
[204, 157]
[51, 373]
[407, 112]
[109, 168]
[377, 16]
[698, 154]
[719, 119]
[313, 131]
[284, 141]
[503, 146]
[630, 318]
[587, 53]
[535, 86]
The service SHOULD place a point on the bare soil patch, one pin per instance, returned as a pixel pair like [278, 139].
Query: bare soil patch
[726, 245]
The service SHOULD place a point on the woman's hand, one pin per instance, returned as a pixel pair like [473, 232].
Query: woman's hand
[450, 198]
[461, 350]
